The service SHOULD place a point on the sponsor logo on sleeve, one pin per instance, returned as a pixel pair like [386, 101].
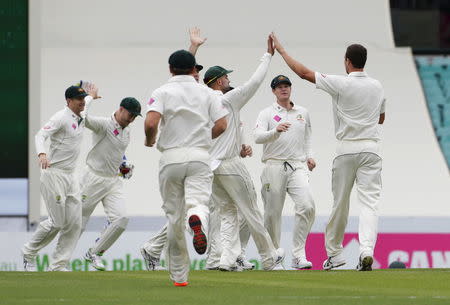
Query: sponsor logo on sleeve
[151, 101]
[47, 127]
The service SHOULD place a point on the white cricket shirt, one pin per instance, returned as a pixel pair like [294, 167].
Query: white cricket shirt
[187, 110]
[65, 131]
[358, 101]
[228, 144]
[109, 143]
[293, 144]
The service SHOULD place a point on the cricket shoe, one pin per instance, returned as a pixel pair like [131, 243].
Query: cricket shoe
[244, 264]
[277, 260]
[151, 263]
[334, 262]
[231, 269]
[365, 264]
[199, 240]
[301, 263]
[29, 264]
[212, 267]
[59, 269]
[95, 260]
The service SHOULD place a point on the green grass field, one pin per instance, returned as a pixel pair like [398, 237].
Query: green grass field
[215, 287]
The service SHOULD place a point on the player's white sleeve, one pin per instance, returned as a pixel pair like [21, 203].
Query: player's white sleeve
[383, 106]
[96, 124]
[216, 109]
[50, 128]
[331, 84]
[156, 102]
[308, 136]
[262, 133]
[239, 96]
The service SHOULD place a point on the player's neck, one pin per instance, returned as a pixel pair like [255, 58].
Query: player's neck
[351, 69]
[285, 103]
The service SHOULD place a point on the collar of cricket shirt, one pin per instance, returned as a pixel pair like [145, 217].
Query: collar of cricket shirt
[116, 124]
[182, 78]
[358, 74]
[280, 108]
[73, 114]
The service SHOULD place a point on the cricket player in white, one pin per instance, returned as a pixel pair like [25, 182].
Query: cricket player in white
[186, 110]
[102, 179]
[151, 250]
[233, 188]
[358, 109]
[285, 130]
[59, 185]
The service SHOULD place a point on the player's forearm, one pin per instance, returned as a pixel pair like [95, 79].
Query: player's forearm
[219, 127]
[193, 48]
[263, 137]
[382, 117]
[300, 69]
[150, 135]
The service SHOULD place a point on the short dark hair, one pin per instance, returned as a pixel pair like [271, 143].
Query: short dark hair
[357, 54]
[178, 71]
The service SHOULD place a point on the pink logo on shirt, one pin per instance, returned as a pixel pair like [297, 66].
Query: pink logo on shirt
[151, 101]
[115, 132]
[277, 118]
[47, 127]
[74, 126]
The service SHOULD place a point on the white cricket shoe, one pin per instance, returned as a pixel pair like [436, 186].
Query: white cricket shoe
[244, 264]
[334, 262]
[236, 268]
[58, 269]
[301, 263]
[277, 260]
[29, 264]
[151, 263]
[279, 267]
[95, 260]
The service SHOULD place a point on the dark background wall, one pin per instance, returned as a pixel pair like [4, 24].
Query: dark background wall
[14, 88]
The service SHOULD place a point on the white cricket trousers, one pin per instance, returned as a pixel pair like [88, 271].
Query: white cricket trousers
[215, 236]
[365, 169]
[109, 191]
[183, 187]
[232, 190]
[277, 179]
[60, 191]
[155, 245]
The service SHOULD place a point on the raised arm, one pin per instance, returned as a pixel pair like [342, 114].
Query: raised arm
[295, 66]
[196, 40]
[95, 124]
[239, 96]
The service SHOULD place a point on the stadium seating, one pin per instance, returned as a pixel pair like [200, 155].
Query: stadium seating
[434, 72]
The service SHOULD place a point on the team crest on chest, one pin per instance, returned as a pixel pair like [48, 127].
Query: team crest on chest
[115, 132]
[277, 118]
[300, 118]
